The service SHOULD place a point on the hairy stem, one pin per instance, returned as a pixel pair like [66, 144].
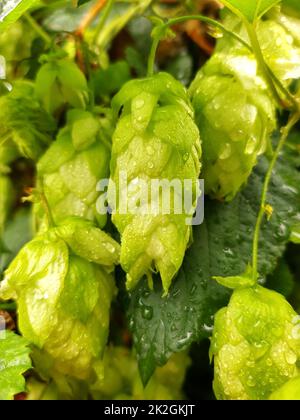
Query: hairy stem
[284, 135]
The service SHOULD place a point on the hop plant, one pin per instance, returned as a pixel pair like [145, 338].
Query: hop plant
[279, 40]
[118, 377]
[60, 83]
[255, 345]
[233, 105]
[155, 138]
[63, 286]
[236, 115]
[74, 164]
[25, 128]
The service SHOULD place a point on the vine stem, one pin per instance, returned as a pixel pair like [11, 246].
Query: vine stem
[37, 28]
[284, 135]
[182, 19]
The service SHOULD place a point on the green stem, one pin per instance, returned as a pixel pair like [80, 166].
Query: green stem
[38, 29]
[261, 61]
[285, 132]
[117, 24]
[182, 19]
[292, 99]
[103, 18]
[152, 55]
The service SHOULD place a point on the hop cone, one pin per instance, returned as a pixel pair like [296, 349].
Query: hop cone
[236, 115]
[233, 106]
[60, 83]
[118, 377]
[63, 287]
[255, 345]
[155, 138]
[25, 128]
[74, 164]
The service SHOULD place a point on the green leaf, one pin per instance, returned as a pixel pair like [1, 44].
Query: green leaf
[109, 81]
[222, 247]
[250, 9]
[18, 231]
[234, 282]
[14, 361]
[12, 10]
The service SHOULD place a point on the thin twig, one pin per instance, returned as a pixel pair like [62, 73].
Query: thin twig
[89, 17]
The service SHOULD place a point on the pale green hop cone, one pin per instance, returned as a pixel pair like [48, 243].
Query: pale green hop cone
[74, 164]
[234, 108]
[25, 128]
[255, 345]
[155, 139]
[236, 115]
[64, 299]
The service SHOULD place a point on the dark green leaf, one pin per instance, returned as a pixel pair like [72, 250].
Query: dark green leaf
[18, 232]
[222, 247]
[282, 280]
[107, 82]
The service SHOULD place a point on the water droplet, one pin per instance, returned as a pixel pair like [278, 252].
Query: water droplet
[150, 150]
[291, 358]
[150, 165]
[186, 156]
[251, 382]
[215, 32]
[226, 152]
[139, 103]
[109, 247]
[228, 251]
[251, 146]
[147, 313]
[208, 328]
[193, 289]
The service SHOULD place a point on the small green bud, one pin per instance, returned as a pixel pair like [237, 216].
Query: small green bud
[155, 139]
[63, 300]
[255, 345]
[60, 83]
